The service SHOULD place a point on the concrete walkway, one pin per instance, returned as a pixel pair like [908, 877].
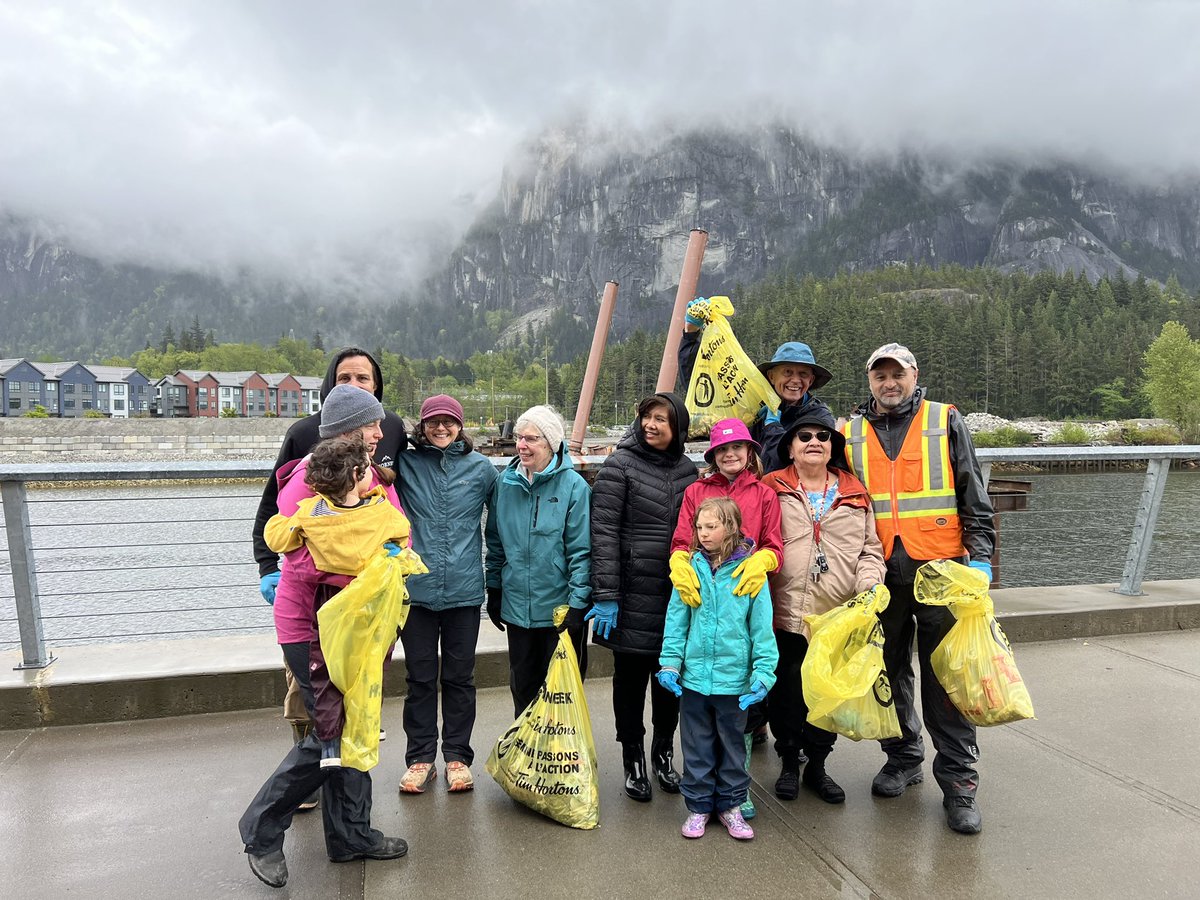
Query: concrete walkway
[1096, 798]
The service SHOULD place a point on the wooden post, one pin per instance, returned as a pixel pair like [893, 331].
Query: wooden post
[591, 375]
[688, 280]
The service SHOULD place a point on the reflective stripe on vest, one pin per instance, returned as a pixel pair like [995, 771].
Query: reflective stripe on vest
[926, 516]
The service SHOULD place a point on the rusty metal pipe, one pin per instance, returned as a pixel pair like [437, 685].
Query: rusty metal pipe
[591, 375]
[688, 280]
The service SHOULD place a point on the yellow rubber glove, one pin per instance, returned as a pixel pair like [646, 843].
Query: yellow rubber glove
[752, 573]
[684, 578]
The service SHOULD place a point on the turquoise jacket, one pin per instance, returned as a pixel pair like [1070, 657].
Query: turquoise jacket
[539, 546]
[726, 643]
[444, 493]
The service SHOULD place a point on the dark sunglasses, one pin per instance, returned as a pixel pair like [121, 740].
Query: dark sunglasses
[806, 436]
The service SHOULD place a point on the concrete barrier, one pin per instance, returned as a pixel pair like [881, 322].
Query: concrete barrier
[259, 437]
[153, 679]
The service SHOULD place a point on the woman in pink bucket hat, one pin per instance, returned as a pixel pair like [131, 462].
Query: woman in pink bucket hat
[734, 469]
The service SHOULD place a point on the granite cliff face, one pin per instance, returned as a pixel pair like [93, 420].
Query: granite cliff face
[568, 218]
[571, 214]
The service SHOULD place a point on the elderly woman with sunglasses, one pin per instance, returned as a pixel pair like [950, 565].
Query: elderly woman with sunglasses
[831, 552]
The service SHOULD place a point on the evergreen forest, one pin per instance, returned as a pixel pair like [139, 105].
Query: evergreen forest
[1014, 345]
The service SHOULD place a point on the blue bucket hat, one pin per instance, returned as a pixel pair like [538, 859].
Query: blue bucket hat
[798, 353]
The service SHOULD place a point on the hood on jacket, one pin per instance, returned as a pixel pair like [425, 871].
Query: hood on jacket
[290, 469]
[331, 374]
[680, 421]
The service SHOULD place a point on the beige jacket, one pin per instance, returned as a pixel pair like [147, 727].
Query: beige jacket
[852, 550]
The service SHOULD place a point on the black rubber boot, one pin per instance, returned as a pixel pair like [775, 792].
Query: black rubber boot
[817, 780]
[637, 785]
[661, 752]
[787, 785]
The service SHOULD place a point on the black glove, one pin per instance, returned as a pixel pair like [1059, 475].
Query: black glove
[494, 596]
[573, 621]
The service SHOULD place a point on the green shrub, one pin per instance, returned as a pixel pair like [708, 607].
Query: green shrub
[229, 413]
[1131, 434]
[38, 412]
[1072, 433]
[94, 414]
[1004, 436]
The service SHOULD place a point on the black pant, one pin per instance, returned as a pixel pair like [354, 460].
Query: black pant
[953, 736]
[529, 653]
[456, 631]
[631, 673]
[345, 793]
[787, 709]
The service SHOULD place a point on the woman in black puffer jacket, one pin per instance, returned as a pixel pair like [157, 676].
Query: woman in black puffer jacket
[635, 505]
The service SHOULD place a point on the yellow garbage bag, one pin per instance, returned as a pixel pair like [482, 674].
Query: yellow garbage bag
[356, 628]
[846, 688]
[974, 662]
[726, 384]
[547, 758]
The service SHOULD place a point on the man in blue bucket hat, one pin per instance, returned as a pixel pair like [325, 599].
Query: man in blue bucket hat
[793, 372]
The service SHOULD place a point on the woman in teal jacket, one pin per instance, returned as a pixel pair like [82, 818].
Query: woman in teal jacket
[446, 485]
[538, 551]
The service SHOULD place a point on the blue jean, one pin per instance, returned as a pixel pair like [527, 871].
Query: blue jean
[711, 732]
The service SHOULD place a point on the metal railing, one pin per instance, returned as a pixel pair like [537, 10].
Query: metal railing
[112, 537]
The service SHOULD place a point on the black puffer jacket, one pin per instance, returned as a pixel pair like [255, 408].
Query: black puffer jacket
[635, 504]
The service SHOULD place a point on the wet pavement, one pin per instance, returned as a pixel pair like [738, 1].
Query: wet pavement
[1096, 798]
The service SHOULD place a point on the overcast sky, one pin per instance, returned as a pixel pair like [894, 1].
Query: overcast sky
[317, 137]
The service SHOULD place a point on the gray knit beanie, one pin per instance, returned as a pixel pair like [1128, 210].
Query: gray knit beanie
[346, 408]
[547, 421]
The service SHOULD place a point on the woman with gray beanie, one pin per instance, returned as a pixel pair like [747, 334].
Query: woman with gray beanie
[302, 589]
[538, 551]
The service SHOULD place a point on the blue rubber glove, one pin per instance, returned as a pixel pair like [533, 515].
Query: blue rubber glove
[698, 313]
[758, 693]
[669, 679]
[768, 416]
[604, 614]
[267, 585]
[983, 566]
[392, 548]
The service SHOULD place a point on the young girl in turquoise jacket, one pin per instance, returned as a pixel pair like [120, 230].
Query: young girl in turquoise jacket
[718, 658]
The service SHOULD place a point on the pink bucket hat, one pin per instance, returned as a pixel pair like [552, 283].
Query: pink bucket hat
[727, 431]
[442, 405]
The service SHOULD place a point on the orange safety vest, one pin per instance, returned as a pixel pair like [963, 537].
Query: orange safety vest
[913, 496]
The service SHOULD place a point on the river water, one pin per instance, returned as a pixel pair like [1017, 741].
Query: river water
[169, 561]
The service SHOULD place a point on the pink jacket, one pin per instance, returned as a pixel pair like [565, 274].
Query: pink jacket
[295, 621]
[759, 506]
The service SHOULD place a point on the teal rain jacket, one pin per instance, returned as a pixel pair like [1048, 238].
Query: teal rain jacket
[444, 493]
[539, 546]
[725, 644]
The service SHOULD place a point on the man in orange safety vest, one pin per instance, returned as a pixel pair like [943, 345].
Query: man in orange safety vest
[930, 501]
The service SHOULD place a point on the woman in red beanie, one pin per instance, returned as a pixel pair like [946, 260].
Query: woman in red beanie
[445, 485]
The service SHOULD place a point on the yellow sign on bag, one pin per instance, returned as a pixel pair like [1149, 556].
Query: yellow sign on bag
[725, 383]
[356, 627]
[846, 688]
[547, 758]
[974, 662]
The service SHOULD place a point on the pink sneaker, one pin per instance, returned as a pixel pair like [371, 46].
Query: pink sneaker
[733, 821]
[694, 826]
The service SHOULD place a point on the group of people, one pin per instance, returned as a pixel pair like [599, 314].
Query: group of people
[698, 582]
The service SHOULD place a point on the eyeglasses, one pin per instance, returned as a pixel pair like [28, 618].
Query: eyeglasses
[527, 438]
[822, 436]
[445, 424]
